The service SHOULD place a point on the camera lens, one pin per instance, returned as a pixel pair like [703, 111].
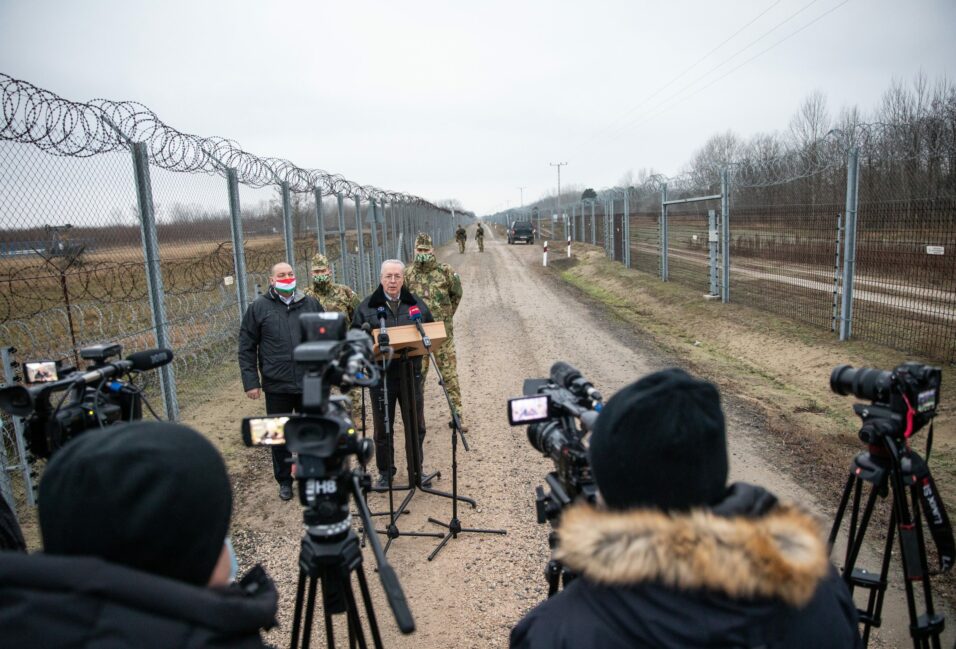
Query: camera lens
[548, 438]
[863, 382]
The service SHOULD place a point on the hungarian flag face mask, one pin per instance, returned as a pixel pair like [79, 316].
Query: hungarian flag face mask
[285, 286]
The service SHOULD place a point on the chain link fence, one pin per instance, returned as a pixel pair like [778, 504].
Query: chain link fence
[854, 233]
[117, 228]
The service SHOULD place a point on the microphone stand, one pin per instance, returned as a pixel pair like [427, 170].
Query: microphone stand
[392, 531]
[454, 525]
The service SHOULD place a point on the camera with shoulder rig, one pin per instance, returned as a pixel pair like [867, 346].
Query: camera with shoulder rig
[559, 411]
[57, 403]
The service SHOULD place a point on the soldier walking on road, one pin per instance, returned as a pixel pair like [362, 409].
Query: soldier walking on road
[335, 297]
[480, 238]
[440, 287]
[460, 237]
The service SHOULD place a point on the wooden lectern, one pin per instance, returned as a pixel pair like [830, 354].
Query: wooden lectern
[406, 337]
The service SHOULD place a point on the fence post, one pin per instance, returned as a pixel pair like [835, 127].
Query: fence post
[154, 275]
[849, 250]
[712, 241]
[347, 277]
[593, 225]
[372, 217]
[626, 230]
[663, 232]
[725, 234]
[287, 223]
[610, 233]
[319, 219]
[238, 245]
[360, 232]
[22, 464]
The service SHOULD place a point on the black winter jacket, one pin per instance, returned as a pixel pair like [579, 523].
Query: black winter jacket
[56, 601]
[367, 311]
[649, 579]
[267, 336]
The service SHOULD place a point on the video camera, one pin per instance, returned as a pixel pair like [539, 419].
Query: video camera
[903, 400]
[560, 411]
[323, 436]
[96, 397]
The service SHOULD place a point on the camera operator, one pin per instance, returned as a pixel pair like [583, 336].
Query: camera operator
[397, 300]
[134, 521]
[675, 558]
[268, 334]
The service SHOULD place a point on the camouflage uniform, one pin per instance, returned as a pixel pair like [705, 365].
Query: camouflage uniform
[460, 237]
[440, 288]
[480, 238]
[341, 298]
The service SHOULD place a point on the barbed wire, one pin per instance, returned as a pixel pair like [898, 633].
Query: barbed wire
[59, 126]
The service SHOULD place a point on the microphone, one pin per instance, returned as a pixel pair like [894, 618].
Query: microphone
[382, 331]
[150, 359]
[416, 315]
[570, 378]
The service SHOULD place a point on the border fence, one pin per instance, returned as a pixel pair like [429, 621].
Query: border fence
[855, 233]
[116, 227]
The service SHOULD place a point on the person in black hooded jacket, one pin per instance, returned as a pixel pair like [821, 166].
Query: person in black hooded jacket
[396, 300]
[134, 522]
[673, 557]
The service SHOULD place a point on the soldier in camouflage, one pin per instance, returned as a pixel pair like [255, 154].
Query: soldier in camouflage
[480, 237]
[335, 297]
[460, 237]
[440, 287]
[332, 296]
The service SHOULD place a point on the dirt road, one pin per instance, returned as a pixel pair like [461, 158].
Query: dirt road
[513, 323]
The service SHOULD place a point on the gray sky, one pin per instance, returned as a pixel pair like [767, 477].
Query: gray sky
[472, 100]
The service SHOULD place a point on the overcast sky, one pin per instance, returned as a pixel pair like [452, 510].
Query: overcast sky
[472, 100]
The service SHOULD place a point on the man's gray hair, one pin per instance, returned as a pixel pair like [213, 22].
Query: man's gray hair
[391, 261]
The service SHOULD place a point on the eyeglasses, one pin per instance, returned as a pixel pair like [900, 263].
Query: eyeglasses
[393, 277]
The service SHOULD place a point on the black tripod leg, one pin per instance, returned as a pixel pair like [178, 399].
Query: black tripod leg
[297, 615]
[369, 611]
[351, 610]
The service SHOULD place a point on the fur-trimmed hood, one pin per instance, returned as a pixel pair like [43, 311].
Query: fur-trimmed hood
[780, 554]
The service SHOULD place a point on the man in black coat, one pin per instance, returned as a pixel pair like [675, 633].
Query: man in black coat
[673, 557]
[134, 521]
[267, 337]
[396, 300]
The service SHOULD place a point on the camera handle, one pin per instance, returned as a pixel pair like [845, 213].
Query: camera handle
[883, 467]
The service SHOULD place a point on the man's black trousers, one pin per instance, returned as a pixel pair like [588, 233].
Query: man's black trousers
[382, 461]
[278, 403]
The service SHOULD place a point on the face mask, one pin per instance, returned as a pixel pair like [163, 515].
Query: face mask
[233, 561]
[424, 257]
[321, 279]
[285, 286]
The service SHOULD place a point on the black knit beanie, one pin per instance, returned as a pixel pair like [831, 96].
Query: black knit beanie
[661, 442]
[154, 496]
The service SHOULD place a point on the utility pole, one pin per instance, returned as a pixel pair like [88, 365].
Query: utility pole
[558, 165]
[522, 196]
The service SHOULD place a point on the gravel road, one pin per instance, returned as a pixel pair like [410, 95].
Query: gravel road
[513, 323]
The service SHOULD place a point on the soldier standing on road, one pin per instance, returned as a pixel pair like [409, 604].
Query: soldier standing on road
[335, 297]
[460, 237]
[440, 287]
[480, 238]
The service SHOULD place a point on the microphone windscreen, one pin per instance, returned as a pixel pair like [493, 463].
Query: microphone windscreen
[149, 359]
[414, 313]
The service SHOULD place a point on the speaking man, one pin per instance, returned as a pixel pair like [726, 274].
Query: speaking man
[674, 557]
[267, 337]
[393, 301]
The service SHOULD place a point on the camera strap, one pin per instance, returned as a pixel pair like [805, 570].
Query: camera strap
[935, 512]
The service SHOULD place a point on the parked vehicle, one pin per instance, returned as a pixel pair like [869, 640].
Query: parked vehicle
[521, 231]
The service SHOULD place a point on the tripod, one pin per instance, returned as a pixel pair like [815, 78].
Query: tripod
[454, 525]
[330, 554]
[902, 476]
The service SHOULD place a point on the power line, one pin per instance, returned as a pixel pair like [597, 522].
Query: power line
[686, 70]
[640, 118]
